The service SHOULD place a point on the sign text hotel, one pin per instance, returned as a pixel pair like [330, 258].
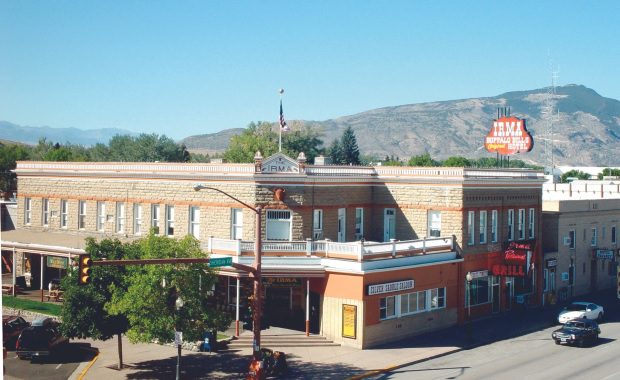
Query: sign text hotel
[389, 287]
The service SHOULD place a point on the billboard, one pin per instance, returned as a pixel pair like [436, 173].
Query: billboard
[508, 136]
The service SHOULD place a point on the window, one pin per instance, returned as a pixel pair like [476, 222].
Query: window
[521, 224]
[155, 218]
[387, 307]
[479, 291]
[27, 211]
[120, 217]
[81, 215]
[483, 227]
[511, 225]
[317, 225]
[434, 223]
[530, 225]
[232, 291]
[64, 213]
[101, 217]
[169, 220]
[470, 227]
[493, 226]
[278, 225]
[438, 298]
[593, 241]
[411, 303]
[137, 219]
[236, 224]
[359, 223]
[613, 235]
[545, 280]
[45, 217]
[571, 239]
[194, 221]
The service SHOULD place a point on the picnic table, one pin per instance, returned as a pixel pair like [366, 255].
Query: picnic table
[55, 294]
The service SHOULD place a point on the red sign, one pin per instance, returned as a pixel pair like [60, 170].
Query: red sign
[508, 270]
[508, 136]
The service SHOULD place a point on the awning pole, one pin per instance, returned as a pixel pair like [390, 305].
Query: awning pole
[237, 309]
[307, 307]
[14, 277]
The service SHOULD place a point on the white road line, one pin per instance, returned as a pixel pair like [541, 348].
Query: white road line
[59, 365]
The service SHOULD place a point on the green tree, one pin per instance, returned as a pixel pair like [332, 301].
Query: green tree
[607, 172]
[350, 150]
[148, 301]
[336, 153]
[306, 140]
[256, 137]
[574, 174]
[9, 155]
[422, 160]
[457, 161]
[83, 311]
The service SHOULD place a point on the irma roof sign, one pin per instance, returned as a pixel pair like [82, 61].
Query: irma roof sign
[508, 136]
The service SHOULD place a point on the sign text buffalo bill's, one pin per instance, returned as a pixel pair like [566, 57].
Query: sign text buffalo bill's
[508, 136]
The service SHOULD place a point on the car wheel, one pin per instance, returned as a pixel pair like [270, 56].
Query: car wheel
[557, 342]
[599, 319]
[581, 343]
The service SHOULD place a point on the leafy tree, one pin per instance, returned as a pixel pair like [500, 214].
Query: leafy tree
[148, 301]
[256, 137]
[609, 172]
[305, 140]
[144, 148]
[9, 155]
[83, 311]
[457, 161]
[350, 150]
[574, 174]
[58, 153]
[392, 161]
[336, 153]
[422, 160]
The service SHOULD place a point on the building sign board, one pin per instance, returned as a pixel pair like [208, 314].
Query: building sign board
[479, 274]
[606, 254]
[389, 287]
[282, 282]
[57, 262]
[508, 270]
[508, 136]
[552, 263]
[220, 262]
[349, 321]
[279, 163]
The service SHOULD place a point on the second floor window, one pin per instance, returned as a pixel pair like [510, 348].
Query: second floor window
[27, 210]
[571, 239]
[359, 223]
[101, 216]
[194, 221]
[494, 226]
[317, 225]
[46, 212]
[471, 216]
[483, 227]
[64, 213]
[531, 225]
[236, 223]
[120, 217]
[521, 224]
[511, 225]
[613, 235]
[594, 237]
[155, 218]
[434, 223]
[170, 220]
[137, 219]
[81, 215]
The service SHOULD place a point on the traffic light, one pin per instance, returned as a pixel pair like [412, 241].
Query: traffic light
[84, 269]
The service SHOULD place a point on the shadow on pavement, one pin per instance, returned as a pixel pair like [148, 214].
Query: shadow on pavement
[69, 353]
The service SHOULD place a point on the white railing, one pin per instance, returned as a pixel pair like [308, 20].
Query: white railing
[359, 250]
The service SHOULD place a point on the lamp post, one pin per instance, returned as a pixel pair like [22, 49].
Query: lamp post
[178, 304]
[257, 299]
[468, 278]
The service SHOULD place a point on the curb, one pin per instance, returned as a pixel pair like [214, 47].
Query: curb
[84, 367]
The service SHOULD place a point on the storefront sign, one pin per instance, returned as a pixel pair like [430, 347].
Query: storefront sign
[281, 282]
[516, 252]
[552, 263]
[349, 321]
[390, 287]
[508, 136]
[508, 270]
[479, 274]
[606, 254]
[57, 262]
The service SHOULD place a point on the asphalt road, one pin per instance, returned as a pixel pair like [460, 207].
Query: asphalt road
[59, 366]
[533, 356]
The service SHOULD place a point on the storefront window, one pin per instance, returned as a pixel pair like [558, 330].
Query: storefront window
[413, 302]
[387, 307]
[438, 298]
[479, 291]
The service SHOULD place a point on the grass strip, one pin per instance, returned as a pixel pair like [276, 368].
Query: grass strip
[30, 305]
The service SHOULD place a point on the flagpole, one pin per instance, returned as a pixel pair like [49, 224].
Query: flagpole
[280, 123]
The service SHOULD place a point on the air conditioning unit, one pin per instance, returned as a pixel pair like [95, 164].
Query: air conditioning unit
[567, 241]
[317, 235]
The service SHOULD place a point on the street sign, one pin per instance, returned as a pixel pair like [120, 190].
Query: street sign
[220, 262]
[178, 338]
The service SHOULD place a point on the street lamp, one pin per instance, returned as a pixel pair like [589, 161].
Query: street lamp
[257, 299]
[468, 278]
[178, 304]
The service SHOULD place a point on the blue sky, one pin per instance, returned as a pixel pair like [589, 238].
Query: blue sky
[183, 68]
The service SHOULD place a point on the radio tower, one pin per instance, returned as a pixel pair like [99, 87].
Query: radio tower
[550, 115]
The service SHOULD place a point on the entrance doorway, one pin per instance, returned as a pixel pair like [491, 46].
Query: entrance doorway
[509, 293]
[283, 307]
[495, 294]
[315, 313]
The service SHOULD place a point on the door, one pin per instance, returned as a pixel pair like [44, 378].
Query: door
[342, 224]
[389, 224]
[315, 312]
[509, 294]
[495, 294]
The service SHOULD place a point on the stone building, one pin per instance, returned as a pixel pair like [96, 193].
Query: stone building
[361, 255]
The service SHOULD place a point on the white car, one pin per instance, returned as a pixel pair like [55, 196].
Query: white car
[581, 310]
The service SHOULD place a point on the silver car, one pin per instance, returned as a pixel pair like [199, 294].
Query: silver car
[586, 310]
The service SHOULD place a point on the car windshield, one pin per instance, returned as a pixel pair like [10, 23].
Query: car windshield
[576, 307]
[575, 324]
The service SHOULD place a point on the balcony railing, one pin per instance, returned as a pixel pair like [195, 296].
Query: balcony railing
[358, 251]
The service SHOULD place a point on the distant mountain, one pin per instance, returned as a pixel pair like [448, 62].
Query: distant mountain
[31, 135]
[586, 131]
[212, 142]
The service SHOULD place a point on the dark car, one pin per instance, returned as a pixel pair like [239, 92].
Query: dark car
[40, 339]
[577, 331]
[12, 326]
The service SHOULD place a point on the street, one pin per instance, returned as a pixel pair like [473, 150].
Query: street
[60, 366]
[532, 356]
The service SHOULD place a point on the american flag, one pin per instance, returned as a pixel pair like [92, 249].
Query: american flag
[283, 126]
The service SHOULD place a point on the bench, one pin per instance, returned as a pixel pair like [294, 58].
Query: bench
[56, 295]
[8, 289]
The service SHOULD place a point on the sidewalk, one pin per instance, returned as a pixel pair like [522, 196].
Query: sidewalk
[152, 361]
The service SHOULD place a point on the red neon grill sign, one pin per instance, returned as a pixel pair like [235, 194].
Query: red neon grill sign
[508, 136]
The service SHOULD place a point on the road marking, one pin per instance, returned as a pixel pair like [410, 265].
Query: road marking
[59, 365]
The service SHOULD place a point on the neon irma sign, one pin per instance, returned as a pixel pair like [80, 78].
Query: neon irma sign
[508, 136]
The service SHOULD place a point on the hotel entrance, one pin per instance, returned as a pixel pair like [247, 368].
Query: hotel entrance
[284, 302]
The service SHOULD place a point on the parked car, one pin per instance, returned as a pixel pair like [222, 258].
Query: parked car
[40, 339]
[12, 326]
[577, 331]
[581, 310]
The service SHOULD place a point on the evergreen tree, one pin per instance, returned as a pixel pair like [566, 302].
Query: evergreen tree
[335, 153]
[350, 150]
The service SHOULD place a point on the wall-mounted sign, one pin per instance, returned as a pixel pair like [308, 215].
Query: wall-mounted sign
[281, 281]
[606, 254]
[508, 136]
[389, 287]
[508, 270]
[479, 274]
[349, 321]
[279, 163]
[57, 262]
[552, 263]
